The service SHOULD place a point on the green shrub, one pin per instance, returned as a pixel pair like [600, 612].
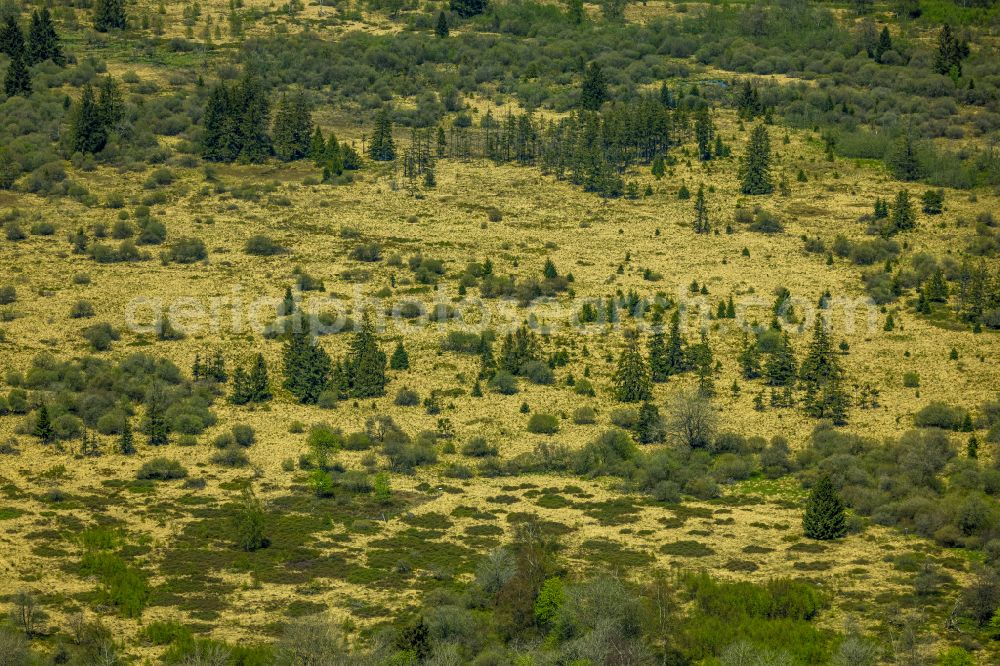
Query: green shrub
[543, 424]
[162, 469]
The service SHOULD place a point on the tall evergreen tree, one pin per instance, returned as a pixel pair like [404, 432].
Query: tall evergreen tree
[676, 355]
[487, 361]
[704, 132]
[903, 161]
[366, 362]
[258, 383]
[701, 223]
[110, 104]
[382, 147]
[594, 92]
[631, 379]
[307, 366]
[110, 15]
[219, 141]
[755, 168]
[951, 52]
[317, 147]
[126, 442]
[43, 426]
[292, 132]
[240, 394]
[43, 40]
[255, 112]
[400, 360]
[441, 30]
[749, 359]
[781, 367]
[11, 37]
[884, 44]
[156, 428]
[87, 132]
[659, 368]
[824, 517]
[822, 378]
[903, 217]
[17, 81]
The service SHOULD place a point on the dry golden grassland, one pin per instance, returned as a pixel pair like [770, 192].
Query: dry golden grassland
[590, 237]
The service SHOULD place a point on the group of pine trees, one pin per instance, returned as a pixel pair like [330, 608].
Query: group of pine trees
[42, 44]
[96, 117]
[236, 122]
[820, 375]
[310, 372]
[251, 386]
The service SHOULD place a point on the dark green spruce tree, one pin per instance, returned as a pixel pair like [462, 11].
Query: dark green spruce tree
[441, 30]
[594, 92]
[366, 362]
[676, 353]
[43, 426]
[255, 112]
[156, 428]
[631, 379]
[17, 80]
[400, 360]
[659, 369]
[701, 223]
[258, 383]
[824, 518]
[126, 442]
[755, 167]
[307, 366]
[823, 378]
[87, 131]
[382, 148]
[11, 37]
[292, 133]
[110, 15]
[43, 40]
[704, 132]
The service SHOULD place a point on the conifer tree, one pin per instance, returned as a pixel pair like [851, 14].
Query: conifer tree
[87, 132]
[649, 428]
[258, 383]
[254, 118]
[333, 156]
[755, 168]
[126, 443]
[749, 359]
[822, 378]
[903, 161]
[400, 360]
[824, 517]
[659, 367]
[11, 37]
[317, 147]
[781, 366]
[487, 361]
[307, 366]
[701, 223]
[156, 428]
[366, 362]
[631, 379]
[884, 44]
[903, 217]
[220, 142]
[17, 80]
[441, 30]
[110, 15]
[240, 394]
[594, 92]
[951, 52]
[43, 41]
[658, 169]
[382, 148]
[292, 134]
[704, 131]
[43, 426]
[676, 355]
